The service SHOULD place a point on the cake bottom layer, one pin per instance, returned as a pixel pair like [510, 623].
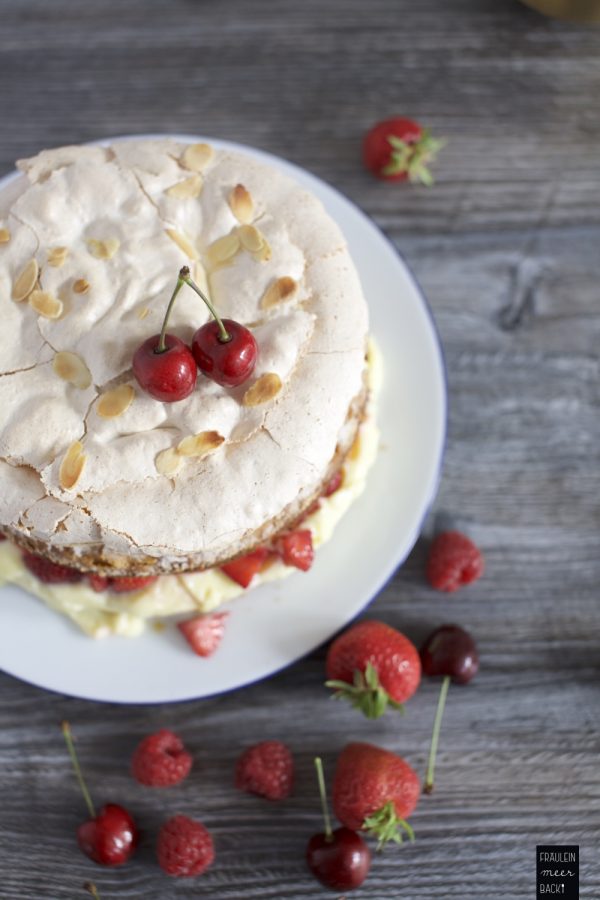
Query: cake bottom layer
[105, 613]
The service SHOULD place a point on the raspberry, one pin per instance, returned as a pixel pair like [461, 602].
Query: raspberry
[49, 572]
[161, 760]
[266, 769]
[453, 561]
[184, 847]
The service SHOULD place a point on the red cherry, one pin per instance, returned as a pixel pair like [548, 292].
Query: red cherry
[231, 362]
[340, 860]
[169, 375]
[110, 838]
[450, 650]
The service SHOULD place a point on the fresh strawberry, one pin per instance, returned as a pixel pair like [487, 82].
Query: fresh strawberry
[244, 568]
[375, 790]
[122, 585]
[296, 549]
[266, 769]
[399, 149]
[453, 561]
[161, 760]
[334, 484]
[49, 572]
[185, 847]
[373, 665]
[204, 633]
[98, 583]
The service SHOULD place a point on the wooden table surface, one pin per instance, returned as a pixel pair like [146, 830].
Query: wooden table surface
[507, 248]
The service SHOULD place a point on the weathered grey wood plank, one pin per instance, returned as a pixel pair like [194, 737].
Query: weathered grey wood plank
[506, 248]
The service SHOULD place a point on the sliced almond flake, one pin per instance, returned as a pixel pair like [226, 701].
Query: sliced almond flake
[114, 402]
[103, 249]
[223, 249]
[72, 466]
[46, 304]
[242, 206]
[279, 290]
[4, 235]
[251, 238]
[81, 286]
[72, 368]
[57, 256]
[167, 462]
[143, 312]
[26, 281]
[197, 156]
[200, 444]
[263, 390]
[355, 449]
[264, 254]
[187, 189]
[183, 243]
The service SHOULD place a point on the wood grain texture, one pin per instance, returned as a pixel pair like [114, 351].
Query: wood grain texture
[506, 247]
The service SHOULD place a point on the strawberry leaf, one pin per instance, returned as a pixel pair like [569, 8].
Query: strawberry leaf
[413, 158]
[365, 693]
[386, 826]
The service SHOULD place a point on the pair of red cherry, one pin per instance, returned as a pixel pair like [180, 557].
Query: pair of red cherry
[225, 351]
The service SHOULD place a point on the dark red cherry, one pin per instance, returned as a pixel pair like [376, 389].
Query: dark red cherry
[340, 860]
[228, 362]
[110, 838]
[450, 650]
[169, 375]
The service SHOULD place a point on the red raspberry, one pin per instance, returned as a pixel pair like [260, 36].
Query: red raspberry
[161, 760]
[266, 769]
[453, 561]
[184, 847]
[49, 572]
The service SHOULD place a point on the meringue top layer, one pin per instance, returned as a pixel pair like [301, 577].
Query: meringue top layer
[90, 247]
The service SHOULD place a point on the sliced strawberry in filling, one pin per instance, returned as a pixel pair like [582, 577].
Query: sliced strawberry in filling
[244, 568]
[296, 549]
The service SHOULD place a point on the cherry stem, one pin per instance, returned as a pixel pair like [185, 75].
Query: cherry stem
[161, 341]
[437, 724]
[184, 275]
[92, 889]
[323, 795]
[66, 730]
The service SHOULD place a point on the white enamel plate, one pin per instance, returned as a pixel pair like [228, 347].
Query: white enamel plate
[274, 625]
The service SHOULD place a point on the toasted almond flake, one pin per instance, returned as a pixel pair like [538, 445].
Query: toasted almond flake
[81, 286]
[264, 254]
[46, 304]
[114, 402]
[72, 466]
[187, 189]
[183, 243]
[143, 312]
[251, 238]
[4, 235]
[223, 249]
[167, 462]
[200, 444]
[354, 451]
[103, 249]
[197, 156]
[26, 281]
[72, 368]
[264, 389]
[278, 290]
[57, 256]
[242, 206]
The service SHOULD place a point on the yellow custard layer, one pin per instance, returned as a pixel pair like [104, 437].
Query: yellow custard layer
[106, 613]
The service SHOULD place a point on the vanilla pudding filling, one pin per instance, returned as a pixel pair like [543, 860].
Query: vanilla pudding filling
[97, 474]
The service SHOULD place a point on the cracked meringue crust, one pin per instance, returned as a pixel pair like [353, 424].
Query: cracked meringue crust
[105, 231]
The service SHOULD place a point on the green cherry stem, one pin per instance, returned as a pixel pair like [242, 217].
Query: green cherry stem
[161, 341]
[321, 780]
[66, 730]
[184, 276]
[437, 724]
[92, 889]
